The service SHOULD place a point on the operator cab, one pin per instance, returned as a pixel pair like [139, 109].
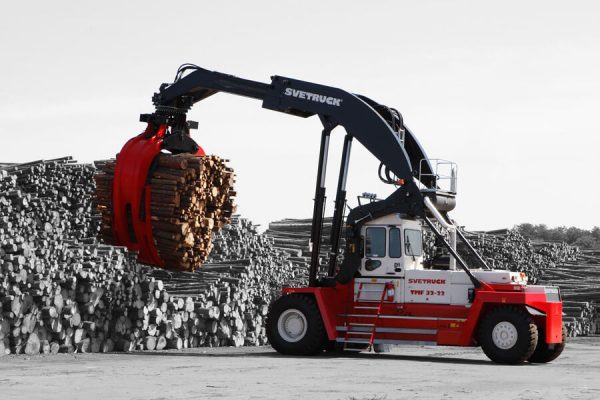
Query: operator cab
[391, 245]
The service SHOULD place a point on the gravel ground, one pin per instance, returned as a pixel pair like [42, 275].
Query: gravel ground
[410, 372]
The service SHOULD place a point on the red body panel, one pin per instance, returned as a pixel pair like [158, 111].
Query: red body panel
[451, 325]
[131, 194]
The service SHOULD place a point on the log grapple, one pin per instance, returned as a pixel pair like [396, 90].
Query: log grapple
[131, 186]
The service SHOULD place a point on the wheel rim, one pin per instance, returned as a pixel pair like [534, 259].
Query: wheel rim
[292, 325]
[504, 335]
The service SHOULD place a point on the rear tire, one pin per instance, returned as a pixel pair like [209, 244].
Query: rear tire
[507, 335]
[294, 326]
[544, 354]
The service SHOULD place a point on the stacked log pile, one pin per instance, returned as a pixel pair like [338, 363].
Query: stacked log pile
[581, 318]
[191, 197]
[579, 284]
[45, 205]
[508, 249]
[230, 294]
[240, 241]
[293, 237]
[62, 291]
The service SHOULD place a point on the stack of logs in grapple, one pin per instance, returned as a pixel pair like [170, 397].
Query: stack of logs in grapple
[191, 197]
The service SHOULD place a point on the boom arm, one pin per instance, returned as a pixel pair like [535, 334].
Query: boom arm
[304, 99]
[361, 117]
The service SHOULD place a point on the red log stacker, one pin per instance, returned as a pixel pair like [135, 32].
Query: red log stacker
[382, 293]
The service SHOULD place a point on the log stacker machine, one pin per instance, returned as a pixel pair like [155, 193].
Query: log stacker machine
[382, 293]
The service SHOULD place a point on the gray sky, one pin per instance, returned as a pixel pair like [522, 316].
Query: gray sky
[509, 90]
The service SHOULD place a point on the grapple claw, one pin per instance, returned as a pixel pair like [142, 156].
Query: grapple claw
[132, 224]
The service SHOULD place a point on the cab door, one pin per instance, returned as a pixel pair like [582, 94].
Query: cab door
[396, 261]
[382, 251]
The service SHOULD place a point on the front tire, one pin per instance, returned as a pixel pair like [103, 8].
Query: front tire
[294, 326]
[543, 353]
[508, 335]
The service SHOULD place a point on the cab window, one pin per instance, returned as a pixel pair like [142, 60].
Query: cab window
[375, 242]
[395, 251]
[413, 242]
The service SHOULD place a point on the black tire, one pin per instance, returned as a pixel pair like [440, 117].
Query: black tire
[311, 340]
[516, 329]
[544, 354]
[331, 346]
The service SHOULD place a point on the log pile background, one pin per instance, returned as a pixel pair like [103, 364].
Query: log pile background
[579, 283]
[231, 292]
[63, 291]
[508, 249]
[191, 197]
[45, 207]
[293, 236]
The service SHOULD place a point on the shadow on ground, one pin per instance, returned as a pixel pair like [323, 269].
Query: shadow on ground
[273, 354]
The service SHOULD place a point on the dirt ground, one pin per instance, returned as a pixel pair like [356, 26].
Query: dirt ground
[410, 372]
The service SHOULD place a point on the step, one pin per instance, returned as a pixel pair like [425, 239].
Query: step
[353, 349]
[366, 308]
[359, 324]
[358, 333]
[357, 341]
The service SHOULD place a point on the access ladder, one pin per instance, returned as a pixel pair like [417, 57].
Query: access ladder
[364, 333]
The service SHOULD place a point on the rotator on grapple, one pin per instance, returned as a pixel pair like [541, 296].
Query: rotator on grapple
[381, 293]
